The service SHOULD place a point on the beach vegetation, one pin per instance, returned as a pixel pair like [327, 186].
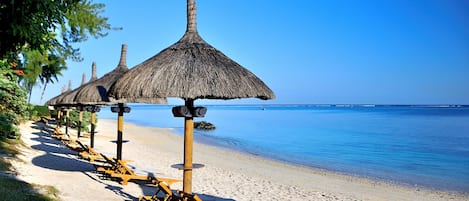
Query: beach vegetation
[40, 36]
[38, 111]
[13, 106]
[8, 149]
[75, 118]
[13, 189]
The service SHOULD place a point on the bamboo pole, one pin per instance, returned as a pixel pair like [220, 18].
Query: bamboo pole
[59, 120]
[67, 121]
[120, 128]
[188, 147]
[80, 119]
[93, 121]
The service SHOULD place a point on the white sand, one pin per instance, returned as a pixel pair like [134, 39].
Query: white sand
[226, 176]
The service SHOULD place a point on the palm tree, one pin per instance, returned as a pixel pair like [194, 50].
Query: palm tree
[50, 72]
[33, 62]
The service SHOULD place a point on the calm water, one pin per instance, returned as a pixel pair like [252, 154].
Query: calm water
[423, 146]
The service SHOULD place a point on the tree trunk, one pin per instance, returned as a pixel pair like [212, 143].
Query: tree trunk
[42, 94]
[30, 89]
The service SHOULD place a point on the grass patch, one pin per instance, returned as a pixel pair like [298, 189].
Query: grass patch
[4, 165]
[9, 146]
[12, 189]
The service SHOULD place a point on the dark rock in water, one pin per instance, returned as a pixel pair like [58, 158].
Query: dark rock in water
[203, 125]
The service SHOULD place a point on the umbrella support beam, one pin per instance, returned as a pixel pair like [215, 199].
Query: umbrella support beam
[59, 118]
[93, 121]
[120, 128]
[67, 121]
[188, 147]
[188, 111]
[120, 109]
[79, 123]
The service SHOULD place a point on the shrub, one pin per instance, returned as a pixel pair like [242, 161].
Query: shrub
[38, 111]
[13, 106]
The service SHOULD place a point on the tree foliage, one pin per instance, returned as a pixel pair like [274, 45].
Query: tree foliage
[13, 106]
[36, 25]
[45, 33]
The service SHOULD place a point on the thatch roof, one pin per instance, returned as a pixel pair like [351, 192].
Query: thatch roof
[67, 96]
[53, 101]
[189, 69]
[95, 92]
[57, 100]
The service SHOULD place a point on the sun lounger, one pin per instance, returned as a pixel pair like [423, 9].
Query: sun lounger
[161, 187]
[189, 197]
[57, 131]
[74, 145]
[89, 153]
[119, 169]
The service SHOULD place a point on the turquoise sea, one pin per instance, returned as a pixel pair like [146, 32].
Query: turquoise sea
[424, 146]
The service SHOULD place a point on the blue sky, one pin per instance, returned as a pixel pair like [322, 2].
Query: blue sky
[320, 51]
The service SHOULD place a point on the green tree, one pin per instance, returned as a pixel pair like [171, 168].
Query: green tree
[33, 62]
[13, 106]
[45, 33]
[49, 25]
[50, 72]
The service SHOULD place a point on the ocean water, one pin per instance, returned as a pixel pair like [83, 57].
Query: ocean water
[419, 146]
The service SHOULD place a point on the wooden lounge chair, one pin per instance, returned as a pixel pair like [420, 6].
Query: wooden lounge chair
[73, 145]
[89, 153]
[169, 195]
[109, 163]
[119, 169]
[57, 131]
[189, 197]
[161, 187]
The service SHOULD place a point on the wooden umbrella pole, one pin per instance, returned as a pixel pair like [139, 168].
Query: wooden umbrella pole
[80, 119]
[59, 115]
[188, 147]
[93, 120]
[67, 121]
[120, 128]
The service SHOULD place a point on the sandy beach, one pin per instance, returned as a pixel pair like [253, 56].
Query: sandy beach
[227, 175]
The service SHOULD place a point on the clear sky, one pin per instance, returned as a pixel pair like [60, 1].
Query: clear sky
[306, 51]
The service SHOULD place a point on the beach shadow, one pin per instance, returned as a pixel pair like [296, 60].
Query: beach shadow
[42, 127]
[206, 197]
[150, 189]
[58, 157]
[60, 163]
[50, 145]
[118, 190]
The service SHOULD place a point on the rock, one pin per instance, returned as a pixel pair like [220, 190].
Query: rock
[203, 125]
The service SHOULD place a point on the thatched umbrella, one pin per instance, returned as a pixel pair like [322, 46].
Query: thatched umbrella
[58, 102]
[190, 69]
[55, 103]
[94, 94]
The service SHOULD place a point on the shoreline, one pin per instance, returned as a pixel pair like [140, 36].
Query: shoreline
[227, 175]
[207, 141]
